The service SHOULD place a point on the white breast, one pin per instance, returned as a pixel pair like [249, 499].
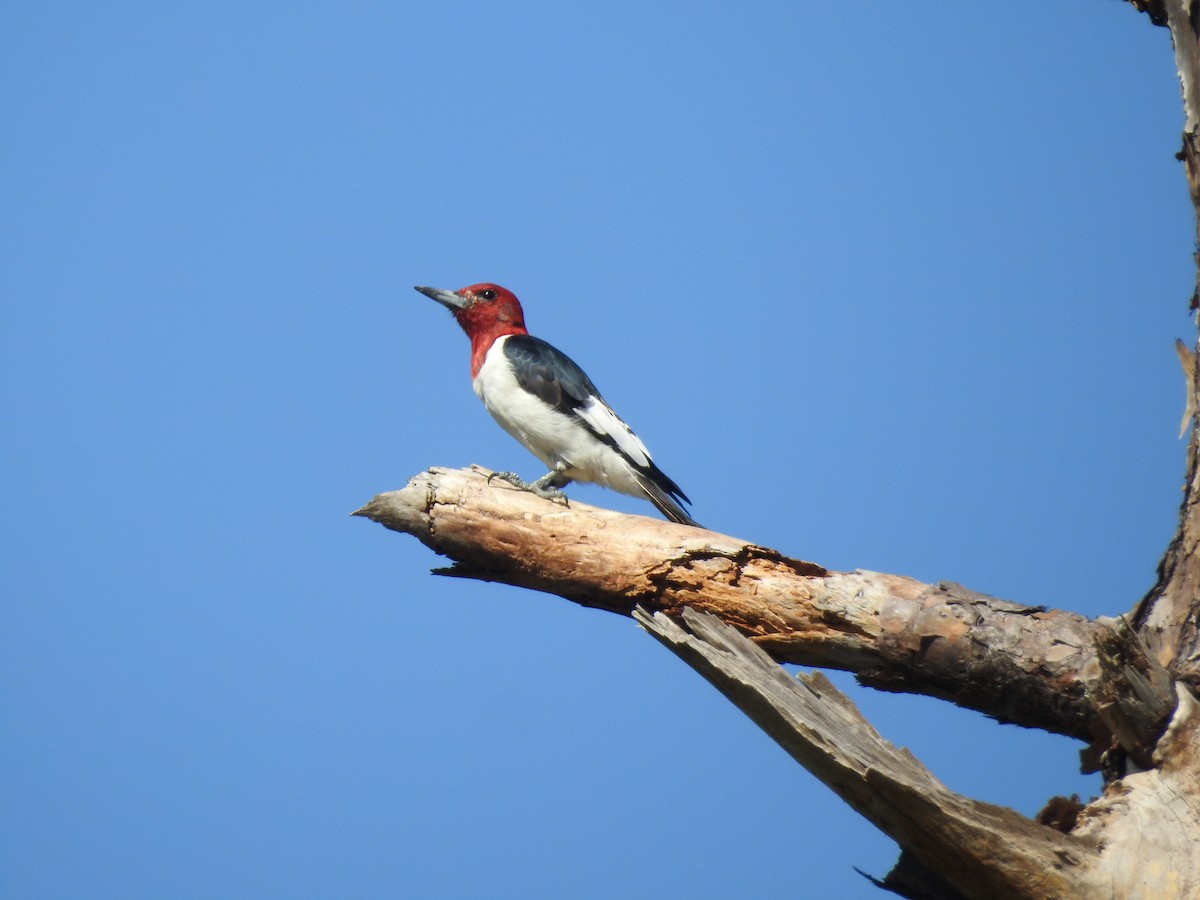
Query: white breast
[552, 436]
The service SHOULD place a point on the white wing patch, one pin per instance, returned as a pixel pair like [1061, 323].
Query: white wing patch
[604, 421]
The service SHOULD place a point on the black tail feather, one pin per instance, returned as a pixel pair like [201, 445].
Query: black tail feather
[666, 495]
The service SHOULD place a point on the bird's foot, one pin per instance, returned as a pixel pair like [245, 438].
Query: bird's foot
[542, 487]
[511, 477]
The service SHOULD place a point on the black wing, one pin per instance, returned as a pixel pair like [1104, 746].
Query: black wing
[555, 379]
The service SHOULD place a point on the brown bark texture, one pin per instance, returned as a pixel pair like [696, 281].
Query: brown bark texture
[1021, 664]
[734, 610]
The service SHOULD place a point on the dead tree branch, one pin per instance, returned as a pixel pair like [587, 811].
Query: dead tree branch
[1027, 665]
[980, 849]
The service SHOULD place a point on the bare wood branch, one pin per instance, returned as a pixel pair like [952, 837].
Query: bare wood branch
[980, 849]
[1147, 822]
[1027, 665]
[1168, 618]
[1187, 359]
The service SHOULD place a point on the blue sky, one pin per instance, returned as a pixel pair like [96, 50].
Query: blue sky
[891, 290]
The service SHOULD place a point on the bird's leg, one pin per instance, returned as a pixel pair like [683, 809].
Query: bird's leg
[548, 486]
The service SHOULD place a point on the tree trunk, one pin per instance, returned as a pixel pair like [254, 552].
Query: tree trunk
[733, 611]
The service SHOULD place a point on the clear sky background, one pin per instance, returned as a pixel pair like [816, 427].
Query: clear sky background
[888, 286]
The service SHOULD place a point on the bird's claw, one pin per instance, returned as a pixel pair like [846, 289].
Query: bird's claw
[544, 491]
[554, 495]
[511, 477]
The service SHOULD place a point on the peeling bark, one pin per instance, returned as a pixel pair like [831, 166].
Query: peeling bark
[1134, 695]
[732, 610]
[1168, 618]
[1021, 664]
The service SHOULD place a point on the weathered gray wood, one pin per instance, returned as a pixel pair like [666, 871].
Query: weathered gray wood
[982, 850]
[1137, 842]
[1148, 823]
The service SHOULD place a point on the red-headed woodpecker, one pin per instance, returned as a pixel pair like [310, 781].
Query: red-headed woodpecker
[544, 400]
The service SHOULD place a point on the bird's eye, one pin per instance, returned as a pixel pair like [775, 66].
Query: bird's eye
[489, 294]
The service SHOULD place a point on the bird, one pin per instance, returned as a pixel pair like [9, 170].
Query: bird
[542, 398]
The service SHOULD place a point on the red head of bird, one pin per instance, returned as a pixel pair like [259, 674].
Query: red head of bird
[485, 311]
